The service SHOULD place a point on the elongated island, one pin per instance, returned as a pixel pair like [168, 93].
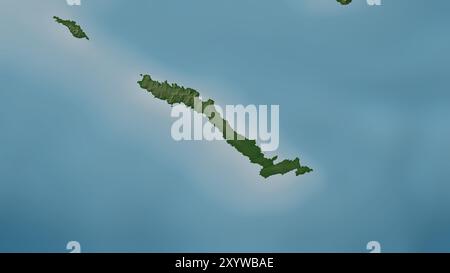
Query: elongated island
[175, 94]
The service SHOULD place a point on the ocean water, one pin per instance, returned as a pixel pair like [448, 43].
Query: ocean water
[364, 99]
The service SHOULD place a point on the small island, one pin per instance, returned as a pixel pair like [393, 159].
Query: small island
[344, 2]
[73, 27]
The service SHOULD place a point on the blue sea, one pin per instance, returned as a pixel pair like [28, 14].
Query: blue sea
[87, 156]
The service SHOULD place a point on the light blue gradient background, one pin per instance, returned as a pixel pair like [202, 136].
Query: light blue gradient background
[364, 97]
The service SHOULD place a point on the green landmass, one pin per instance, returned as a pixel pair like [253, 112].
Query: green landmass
[175, 94]
[74, 29]
[344, 2]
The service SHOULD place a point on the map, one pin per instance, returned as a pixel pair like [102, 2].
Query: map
[224, 126]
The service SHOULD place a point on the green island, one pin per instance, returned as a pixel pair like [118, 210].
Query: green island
[344, 2]
[74, 29]
[175, 94]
